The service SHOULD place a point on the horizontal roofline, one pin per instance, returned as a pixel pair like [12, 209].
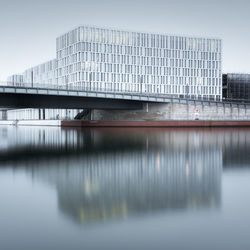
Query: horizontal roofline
[238, 73]
[142, 32]
[37, 65]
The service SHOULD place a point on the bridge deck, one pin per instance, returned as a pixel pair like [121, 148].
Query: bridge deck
[63, 91]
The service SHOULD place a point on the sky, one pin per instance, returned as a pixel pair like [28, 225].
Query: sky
[28, 28]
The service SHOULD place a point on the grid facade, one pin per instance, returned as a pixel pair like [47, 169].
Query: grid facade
[44, 73]
[15, 80]
[236, 86]
[104, 59]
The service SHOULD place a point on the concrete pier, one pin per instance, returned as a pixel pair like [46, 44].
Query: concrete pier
[176, 111]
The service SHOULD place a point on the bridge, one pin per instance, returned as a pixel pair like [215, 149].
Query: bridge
[26, 95]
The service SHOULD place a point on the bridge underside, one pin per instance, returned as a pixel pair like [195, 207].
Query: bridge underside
[19, 101]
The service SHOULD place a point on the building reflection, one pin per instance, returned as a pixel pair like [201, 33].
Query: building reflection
[105, 174]
[108, 186]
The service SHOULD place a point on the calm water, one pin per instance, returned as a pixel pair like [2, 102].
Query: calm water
[124, 188]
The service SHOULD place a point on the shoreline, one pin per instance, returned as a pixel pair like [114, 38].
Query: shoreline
[167, 123]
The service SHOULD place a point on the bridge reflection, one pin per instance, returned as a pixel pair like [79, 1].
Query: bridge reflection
[105, 174]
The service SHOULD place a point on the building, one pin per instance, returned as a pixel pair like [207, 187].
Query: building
[44, 73]
[106, 59]
[16, 80]
[236, 87]
[100, 59]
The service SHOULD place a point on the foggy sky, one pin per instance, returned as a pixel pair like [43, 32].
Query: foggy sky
[29, 27]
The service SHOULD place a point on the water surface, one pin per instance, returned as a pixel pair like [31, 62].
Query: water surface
[124, 188]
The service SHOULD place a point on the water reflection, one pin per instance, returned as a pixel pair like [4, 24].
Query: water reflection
[104, 174]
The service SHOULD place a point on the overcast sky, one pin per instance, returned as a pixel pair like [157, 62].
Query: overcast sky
[29, 27]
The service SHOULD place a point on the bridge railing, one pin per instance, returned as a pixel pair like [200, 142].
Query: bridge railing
[92, 89]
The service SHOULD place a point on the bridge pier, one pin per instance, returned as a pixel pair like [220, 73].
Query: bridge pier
[173, 111]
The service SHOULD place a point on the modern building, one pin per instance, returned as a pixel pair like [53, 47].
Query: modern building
[16, 80]
[236, 86]
[44, 73]
[106, 59]
[100, 59]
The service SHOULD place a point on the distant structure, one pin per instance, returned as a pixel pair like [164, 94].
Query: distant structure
[45, 73]
[236, 86]
[93, 58]
[16, 80]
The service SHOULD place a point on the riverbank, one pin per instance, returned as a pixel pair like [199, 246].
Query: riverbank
[56, 123]
[169, 123]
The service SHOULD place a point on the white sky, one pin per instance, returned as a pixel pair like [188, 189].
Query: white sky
[29, 27]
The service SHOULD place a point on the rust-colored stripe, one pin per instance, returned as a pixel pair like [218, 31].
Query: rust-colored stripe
[155, 123]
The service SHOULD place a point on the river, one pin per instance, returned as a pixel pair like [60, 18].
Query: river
[124, 188]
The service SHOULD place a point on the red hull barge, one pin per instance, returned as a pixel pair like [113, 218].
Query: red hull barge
[155, 123]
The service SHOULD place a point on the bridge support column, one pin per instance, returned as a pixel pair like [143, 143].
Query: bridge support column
[91, 115]
[43, 114]
[145, 107]
[85, 115]
[169, 111]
